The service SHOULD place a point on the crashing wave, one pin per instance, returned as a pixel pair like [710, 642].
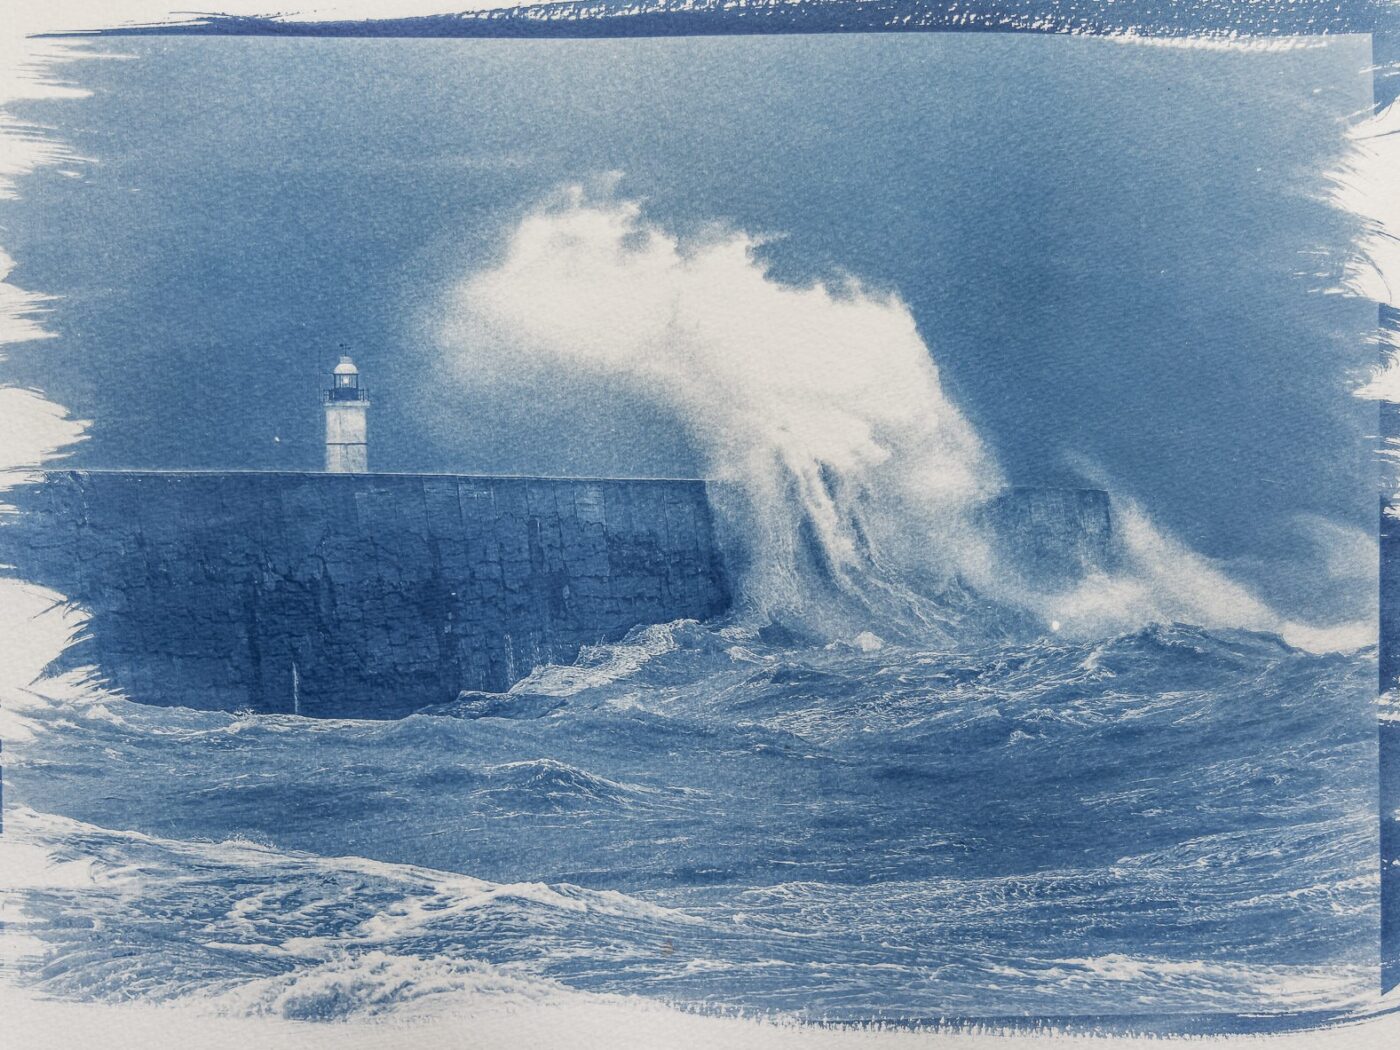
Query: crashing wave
[852, 493]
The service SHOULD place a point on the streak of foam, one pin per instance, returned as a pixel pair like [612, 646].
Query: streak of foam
[341, 936]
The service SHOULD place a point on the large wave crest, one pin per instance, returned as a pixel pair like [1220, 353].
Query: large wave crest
[847, 481]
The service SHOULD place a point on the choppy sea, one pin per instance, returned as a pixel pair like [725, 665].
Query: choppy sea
[729, 818]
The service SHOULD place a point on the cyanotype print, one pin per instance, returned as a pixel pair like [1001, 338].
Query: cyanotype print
[850, 528]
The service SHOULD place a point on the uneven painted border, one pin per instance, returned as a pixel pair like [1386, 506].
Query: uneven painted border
[1222, 21]
[611, 18]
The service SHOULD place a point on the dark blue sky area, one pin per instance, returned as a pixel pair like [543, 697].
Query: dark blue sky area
[1117, 253]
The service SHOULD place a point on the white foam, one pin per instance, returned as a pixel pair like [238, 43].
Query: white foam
[600, 665]
[818, 408]
[820, 411]
[1164, 580]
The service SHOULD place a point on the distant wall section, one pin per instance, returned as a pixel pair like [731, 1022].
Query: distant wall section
[1053, 537]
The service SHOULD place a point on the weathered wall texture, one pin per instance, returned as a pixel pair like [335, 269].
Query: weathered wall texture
[374, 595]
[365, 595]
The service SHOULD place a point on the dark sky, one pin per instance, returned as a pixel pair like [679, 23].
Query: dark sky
[1118, 254]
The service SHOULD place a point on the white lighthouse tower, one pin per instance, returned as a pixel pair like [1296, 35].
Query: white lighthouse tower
[347, 451]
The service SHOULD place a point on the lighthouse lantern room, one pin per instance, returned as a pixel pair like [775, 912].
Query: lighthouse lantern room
[347, 450]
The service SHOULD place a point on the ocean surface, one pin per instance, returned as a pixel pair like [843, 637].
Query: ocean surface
[1168, 821]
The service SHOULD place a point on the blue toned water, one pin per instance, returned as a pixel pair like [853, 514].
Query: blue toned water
[1172, 820]
[914, 799]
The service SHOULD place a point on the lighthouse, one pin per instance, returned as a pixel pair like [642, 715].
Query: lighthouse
[347, 451]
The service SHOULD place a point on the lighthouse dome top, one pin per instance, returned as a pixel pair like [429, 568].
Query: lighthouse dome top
[346, 368]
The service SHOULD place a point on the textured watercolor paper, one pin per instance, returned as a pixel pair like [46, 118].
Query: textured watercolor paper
[769, 524]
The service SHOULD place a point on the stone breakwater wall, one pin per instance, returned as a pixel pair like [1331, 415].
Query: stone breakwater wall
[355, 595]
[376, 595]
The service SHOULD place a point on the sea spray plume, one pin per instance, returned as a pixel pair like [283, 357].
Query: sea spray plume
[817, 408]
[847, 482]
[1159, 579]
